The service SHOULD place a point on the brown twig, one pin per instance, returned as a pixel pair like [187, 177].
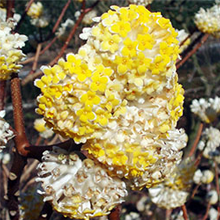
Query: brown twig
[61, 16]
[115, 214]
[185, 215]
[195, 48]
[195, 190]
[23, 15]
[36, 57]
[207, 212]
[10, 8]
[41, 52]
[217, 184]
[2, 94]
[196, 140]
[20, 136]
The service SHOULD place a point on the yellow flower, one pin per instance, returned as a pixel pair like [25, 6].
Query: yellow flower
[130, 48]
[99, 83]
[85, 114]
[121, 28]
[102, 117]
[90, 98]
[110, 42]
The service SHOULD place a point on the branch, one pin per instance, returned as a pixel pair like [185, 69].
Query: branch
[196, 140]
[204, 38]
[23, 15]
[18, 165]
[185, 215]
[21, 141]
[115, 214]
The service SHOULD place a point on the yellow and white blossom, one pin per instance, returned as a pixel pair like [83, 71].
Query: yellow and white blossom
[173, 192]
[207, 110]
[207, 20]
[77, 188]
[38, 16]
[209, 142]
[10, 53]
[120, 96]
[205, 176]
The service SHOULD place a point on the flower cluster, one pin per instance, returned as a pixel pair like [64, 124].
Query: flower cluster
[119, 96]
[209, 142]
[78, 188]
[10, 44]
[173, 192]
[207, 21]
[11, 22]
[44, 131]
[140, 2]
[5, 133]
[38, 16]
[205, 176]
[207, 110]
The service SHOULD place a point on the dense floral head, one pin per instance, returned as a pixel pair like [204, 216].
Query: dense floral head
[5, 133]
[207, 20]
[175, 189]
[119, 94]
[78, 188]
[10, 53]
[38, 16]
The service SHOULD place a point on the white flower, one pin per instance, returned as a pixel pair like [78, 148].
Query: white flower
[207, 110]
[207, 20]
[38, 15]
[213, 214]
[204, 177]
[173, 192]
[88, 18]
[5, 132]
[5, 158]
[132, 216]
[212, 197]
[140, 2]
[210, 141]
[76, 188]
[10, 53]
